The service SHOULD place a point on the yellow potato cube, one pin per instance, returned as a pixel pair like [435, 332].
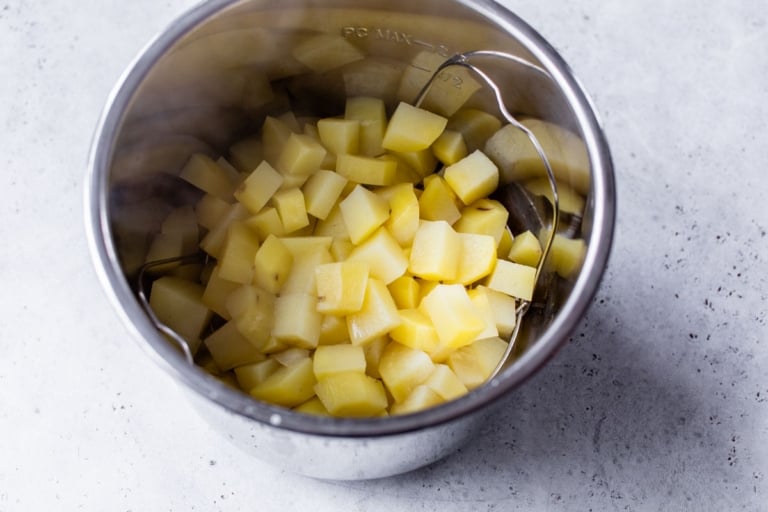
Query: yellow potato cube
[290, 206]
[371, 112]
[403, 368]
[505, 244]
[236, 260]
[333, 330]
[288, 386]
[341, 286]
[504, 308]
[445, 383]
[321, 191]
[290, 356]
[202, 172]
[300, 246]
[216, 292]
[456, 319]
[435, 252]
[312, 406]
[422, 162]
[301, 278]
[301, 156]
[272, 265]
[266, 222]
[333, 359]
[340, 136]
[209, 210]
[324, 52]
[438, 201]
[405, 292]
[253, 311]
[333, 225]
[274, 135]
[415, 331]
[476, 126]
[249, 375]
[422, 397]
[377, 317]
[525, 249]
[297, 322]
[513, 279]
[352, 394]
[484, 217]
[474, 363]
[412, 129]
[259, 187]
[367, 170]
[341, 248]
[230, 349]
[473, 177]
[382, 254]
[403, 218]
[567, 255]
[178, 304]
[477, 257]
[213, 242]
[164, 246]
[373, 350]
[482, 303]
[450, 147]
[363, 212]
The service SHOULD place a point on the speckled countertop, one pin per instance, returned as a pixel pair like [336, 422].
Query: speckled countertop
[659, 402]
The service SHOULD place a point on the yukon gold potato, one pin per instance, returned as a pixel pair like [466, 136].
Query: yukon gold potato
[266, 222]
[475, 126]
[513, 279]
[209, 210]
[504, 308]
[204, 173]
[351, 394]
[435, 252]
[477, 257]
[363, 212]
[382, 254]
[292, 209]
[372, 115]
[332, 359]
[377, 317]
[340, 136]
[301, 278]
[525, 249]
[403, 218]
[272, 264]
[405, 292]
[422, 397]
[473, 177]
[567, 255]
[484, 217]
[236, 260]
[312, 406]
[253, 311]
[259, 187]
[415, 331]
[412, 129]
[445, 383]
[450, 147]
[367, 170]
[321, 191]
[341, 286]
[213, 241]
[249, 375]
[288, 386]
[422, 162]
[456, 319]
[438, 201]
[178, 304]
[333, 330]
[217, 291]
[231, 349]
[403, 368]
[474, 363]
[301, 156]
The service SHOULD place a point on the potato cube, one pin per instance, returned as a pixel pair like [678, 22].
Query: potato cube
[403, 218]
[422, 397]
[405, 292]
[301, 156]
[445, 383]
[371, 112]
[266, 222]
[363, 212]
[236, 260]
[321, 191]
[435, 252]
[288, 386]
[340, 136]
[456, 319]
[403, 368]
[504, 308]
[505, 244]
[164, 246]
[525, 249]
[412, 129]
[178, 304]
[213, 241]
[341, 286]
[422, 162]
[476, 126]
[301, 278]
[333, 225]
[209, 210]
[513, 279]
[249, 375]
[324, 52]
[259, 187]
[352, 394]
[297, 322]
[341, 248]
[473, 177]
[438, 201]
[332, 359]
[272, 265]
[477, 257]
[449, 147]
[230, 349]
[290, 206]
[367, 170]
[202, 172]
[567, 255]
[333, 330]
[484, 217]
[382, 254]
[377, 317]
[482, 303]
[373, 350]
[312, 406]
[474, 363]
[415, 331]
[300, 246]
[253, 311]
[290, 356]
[216, 292]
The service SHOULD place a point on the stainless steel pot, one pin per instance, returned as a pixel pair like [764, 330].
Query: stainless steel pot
[200, 84]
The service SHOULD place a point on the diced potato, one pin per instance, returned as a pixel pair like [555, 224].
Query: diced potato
[272, 264]
[422, 397]
[525, 249]
[415, 331]
[249, 375]
[266, 222]
[477, 257]
[202, 172]
[504, 308]
[484, 217]
[405, 292]
[412, 129]
[333, 330]
[288, 386]
[253, 311]
[373, 350]
[301, 156]
[230, 349]
[333, 225]
[567, 255]
[324, 52]
[209, 210]
[363, 212]
[456, 319]
[274, 135]
[292, 209]
[321, 191]
[236, 260]
[438, 201]
[403, 218]
[300, 246]
[423, 162]
[213, 242]
[383, 256]
[482, 303]
[474, 363]
[259, 187]
[473, 177]
[178, 304]
[403, 368]
[367, 170]
[377, 317]
[445, 383]
[352, 394]
[301, 278]
[290, 356]
[297, 322]
[476, 126]
[436, 251]
[505, 244]
[450, 147]
[333, 359]
[513, 279]
[340, 136]
[312, 406]
[341, 248]
[164, 246]
[216, 292]
[341, 287]
[372, 115]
